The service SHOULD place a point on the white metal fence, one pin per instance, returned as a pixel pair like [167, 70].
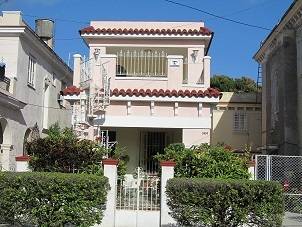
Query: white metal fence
[288, 171]
[138, 192]
[141, 63]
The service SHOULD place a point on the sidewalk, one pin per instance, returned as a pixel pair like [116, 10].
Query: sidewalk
[292, 219]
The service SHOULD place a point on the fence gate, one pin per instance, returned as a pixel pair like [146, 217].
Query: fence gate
[138, 200]
[288, 171]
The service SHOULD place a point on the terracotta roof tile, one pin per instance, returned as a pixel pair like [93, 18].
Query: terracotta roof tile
[210, 92]
[120, 31]
[72, 90]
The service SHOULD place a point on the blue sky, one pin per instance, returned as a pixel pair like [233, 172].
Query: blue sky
[233, 45]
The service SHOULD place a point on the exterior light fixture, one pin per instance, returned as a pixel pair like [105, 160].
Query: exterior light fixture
[96, 53]
[194, 55]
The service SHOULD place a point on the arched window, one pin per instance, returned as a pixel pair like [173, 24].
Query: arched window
[31, 134]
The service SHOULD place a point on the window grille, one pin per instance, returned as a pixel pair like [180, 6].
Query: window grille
[31, 71]
[240, 122]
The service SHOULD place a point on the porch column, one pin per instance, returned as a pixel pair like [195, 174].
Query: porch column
[77, 59]
[5, 161]
[175, 71]
[167, 172]
[22, 163]
[110, 171]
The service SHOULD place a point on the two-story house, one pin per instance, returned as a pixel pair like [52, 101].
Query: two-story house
[144, 85]
[31, 78]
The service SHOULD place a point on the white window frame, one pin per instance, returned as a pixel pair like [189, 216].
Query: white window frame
[240, 121]
[31, 71]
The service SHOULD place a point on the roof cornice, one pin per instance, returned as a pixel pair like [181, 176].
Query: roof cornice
[292, 19]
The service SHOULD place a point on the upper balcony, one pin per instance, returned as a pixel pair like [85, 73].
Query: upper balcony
[147, 55]
[6, 83]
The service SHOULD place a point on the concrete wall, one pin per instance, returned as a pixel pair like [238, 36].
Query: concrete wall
[223, 121]
[223, 132]
[281, 125]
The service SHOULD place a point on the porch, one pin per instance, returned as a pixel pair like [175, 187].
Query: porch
[143, 143]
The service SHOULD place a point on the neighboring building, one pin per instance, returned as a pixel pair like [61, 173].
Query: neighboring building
[237, 121]
[31, 78]
[144, 85]
[281, 59]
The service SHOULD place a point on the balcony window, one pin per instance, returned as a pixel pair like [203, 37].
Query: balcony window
[141, 63]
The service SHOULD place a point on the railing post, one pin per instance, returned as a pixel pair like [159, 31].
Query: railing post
[22, 163]
[167, 172]
[110, 171]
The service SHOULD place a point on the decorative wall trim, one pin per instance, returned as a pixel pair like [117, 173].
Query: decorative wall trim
[153, 122]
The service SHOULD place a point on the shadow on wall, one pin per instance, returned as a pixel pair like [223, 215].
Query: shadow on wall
[237, 121]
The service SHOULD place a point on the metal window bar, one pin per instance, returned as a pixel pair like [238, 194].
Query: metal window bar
[140, 63]
[85, 70]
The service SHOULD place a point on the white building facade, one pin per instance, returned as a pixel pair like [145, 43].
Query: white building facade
[31, 78]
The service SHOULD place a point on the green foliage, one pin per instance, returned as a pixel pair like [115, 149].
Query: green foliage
[63, 154]
[205, 161]
[52, 199]
[119, 153]
[228, 84]
[221, 202]
[61, 151]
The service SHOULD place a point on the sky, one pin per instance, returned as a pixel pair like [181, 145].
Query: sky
[233, 46]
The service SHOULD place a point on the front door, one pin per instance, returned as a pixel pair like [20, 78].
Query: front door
[151, 144]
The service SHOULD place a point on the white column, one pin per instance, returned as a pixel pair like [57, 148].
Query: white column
[167, 172]
[110, 171]
[175, 71]
[207, 70]
[22, 164]
[6, 150]
[77, 59]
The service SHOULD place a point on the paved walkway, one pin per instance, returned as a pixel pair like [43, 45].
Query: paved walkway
[292, 220]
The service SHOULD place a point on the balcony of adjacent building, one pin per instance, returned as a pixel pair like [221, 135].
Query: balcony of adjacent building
[7, 98]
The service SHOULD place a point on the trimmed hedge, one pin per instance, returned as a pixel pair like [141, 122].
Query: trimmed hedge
[52, 199]
[221, 203]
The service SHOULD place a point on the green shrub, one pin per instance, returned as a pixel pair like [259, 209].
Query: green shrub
[61, 151]
[225, 202]
[52, 199]
[205, 161]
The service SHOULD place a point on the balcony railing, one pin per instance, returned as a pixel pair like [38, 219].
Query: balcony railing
[4, 83]
[85, 71]
[140, 63]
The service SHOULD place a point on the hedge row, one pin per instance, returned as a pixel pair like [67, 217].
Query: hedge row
[217, 202]
[52, 199]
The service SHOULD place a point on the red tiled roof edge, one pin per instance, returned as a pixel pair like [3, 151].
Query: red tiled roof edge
[120, 31]
[72, 90]
[210, 92]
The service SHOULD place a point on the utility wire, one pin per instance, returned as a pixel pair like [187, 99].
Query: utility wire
[217, 16]
[48, 107]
